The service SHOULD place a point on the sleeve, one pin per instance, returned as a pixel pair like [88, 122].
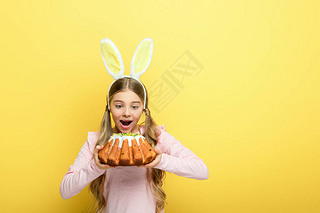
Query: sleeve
[83, 171]
[178, 159]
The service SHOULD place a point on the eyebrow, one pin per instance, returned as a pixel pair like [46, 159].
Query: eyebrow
[131, 102]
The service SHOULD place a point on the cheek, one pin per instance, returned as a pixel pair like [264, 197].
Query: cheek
[113, 117]
[115, 114]
[137, 114]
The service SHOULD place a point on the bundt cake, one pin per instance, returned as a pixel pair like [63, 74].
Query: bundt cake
[126, 149]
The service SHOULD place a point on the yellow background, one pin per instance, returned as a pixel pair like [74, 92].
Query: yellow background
[252, 113]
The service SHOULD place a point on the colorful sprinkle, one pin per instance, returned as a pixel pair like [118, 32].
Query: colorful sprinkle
[127, 134]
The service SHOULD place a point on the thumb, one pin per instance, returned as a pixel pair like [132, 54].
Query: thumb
[158, 151]
[97, 148]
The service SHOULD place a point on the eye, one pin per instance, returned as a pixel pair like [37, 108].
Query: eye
[135, 107]
[118, 106]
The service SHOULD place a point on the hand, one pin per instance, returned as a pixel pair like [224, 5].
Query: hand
[156, 160]
[96, 159]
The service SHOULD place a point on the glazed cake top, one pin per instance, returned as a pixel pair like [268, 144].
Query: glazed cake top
[123, 136]
[126, 134]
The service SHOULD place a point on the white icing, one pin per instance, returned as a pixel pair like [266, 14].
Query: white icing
[122, 138]
[137, 139]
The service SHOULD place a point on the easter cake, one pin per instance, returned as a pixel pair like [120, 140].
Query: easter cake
[126, 149]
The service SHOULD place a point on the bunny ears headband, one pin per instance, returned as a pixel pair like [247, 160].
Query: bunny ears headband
[140, 62]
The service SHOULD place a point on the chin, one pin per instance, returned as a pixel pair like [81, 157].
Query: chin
[124, 130]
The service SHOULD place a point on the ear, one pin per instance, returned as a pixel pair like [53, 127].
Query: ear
[112, 58]
[141, 58]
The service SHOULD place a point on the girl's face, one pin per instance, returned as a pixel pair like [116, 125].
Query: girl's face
[126, 108]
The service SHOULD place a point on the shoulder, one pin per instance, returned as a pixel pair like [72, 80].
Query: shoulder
[166, 141]
[160, 129]
[162, 133]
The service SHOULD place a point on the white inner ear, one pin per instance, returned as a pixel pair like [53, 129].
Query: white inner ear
[132, 68]
[118, 55]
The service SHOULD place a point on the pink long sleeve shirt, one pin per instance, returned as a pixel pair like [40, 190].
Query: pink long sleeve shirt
[126, 189]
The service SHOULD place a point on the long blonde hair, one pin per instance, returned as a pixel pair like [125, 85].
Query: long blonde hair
[155, 177]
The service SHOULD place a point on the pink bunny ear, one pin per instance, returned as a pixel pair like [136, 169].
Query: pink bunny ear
[112, 58]
[141, 58]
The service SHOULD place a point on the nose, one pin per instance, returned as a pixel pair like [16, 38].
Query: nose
[126, 112]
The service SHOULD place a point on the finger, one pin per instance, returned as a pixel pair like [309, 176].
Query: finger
[150, 165]
[158, 151]
[96, 159]
[147, 165]
[96, 149]
[153, 163]
[99, 147]
[96, 154]
[103, 166]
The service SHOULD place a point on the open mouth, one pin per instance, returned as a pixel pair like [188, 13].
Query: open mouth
[125, 123]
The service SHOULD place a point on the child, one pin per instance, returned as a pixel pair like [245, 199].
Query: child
[129, 189]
